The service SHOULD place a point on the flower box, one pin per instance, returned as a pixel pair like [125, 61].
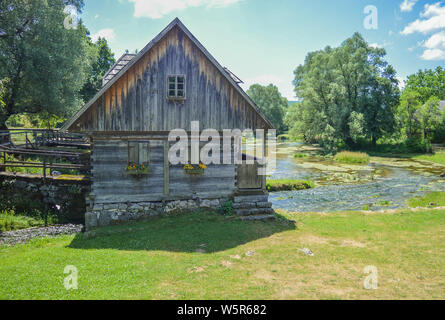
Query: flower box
[194, 170]
[137, 171]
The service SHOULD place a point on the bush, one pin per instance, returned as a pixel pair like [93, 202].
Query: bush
[352, 157]
[415, 145]
[227, 208]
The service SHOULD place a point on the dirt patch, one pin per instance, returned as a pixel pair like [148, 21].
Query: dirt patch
[352, 243]
[226, 264]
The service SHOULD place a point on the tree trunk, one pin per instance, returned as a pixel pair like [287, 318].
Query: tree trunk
[4, 129]
[374, 141]
[3, 139]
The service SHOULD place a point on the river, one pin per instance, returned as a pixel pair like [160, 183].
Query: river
[386, 183]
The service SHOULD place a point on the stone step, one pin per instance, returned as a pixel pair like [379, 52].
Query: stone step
[253, 198]
[252, 205]
[259, 218]
[253, 212]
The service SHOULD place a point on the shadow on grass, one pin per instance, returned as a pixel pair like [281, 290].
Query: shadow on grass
[182, 233]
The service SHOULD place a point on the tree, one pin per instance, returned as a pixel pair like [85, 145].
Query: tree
[430, 118]
[271, 103]
[347, 92]
[103, 60]
[42, 63]
[407, 112]
[428, 83]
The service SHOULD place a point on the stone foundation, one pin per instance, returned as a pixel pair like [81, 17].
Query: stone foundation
[102, 215]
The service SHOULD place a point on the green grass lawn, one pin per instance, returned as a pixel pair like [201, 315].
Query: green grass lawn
[203, 256]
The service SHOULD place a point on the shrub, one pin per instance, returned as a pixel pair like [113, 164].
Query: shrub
[227, 208]
[352, 157]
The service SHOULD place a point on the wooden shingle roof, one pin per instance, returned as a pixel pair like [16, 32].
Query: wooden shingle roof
[117, 67]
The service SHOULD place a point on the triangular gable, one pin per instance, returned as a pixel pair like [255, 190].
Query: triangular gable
[141, 54]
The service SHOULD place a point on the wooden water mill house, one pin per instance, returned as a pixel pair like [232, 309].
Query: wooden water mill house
[170, 83]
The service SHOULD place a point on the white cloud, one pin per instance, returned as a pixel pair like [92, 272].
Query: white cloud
[156, 9]
[433, 54]
[104, 33]
[432, 21]
[407, 5]
[436, 41]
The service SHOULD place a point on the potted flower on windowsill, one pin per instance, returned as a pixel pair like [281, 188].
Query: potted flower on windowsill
[195, 169]
[137, 170]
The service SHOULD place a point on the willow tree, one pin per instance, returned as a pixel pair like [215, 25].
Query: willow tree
[347, 93]
[42, 63]
[271, 103]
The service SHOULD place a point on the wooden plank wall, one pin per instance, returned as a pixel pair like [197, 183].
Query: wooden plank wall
[138, 100]
[112, 184]
[110, 180]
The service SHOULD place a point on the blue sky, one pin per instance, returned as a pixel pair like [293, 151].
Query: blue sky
[263, 41]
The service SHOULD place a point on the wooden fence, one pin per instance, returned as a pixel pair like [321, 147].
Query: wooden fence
[78, 161]
[23, 144]
[35, 138]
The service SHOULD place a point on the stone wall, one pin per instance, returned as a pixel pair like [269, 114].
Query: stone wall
[29, 193]
[102, 215]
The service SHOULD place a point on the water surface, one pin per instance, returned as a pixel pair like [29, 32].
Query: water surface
[386, 183]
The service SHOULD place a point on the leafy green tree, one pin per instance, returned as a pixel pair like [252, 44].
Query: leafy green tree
[428, 83]
[42, 64]
[271, 103]
[407, 112]
[430, 118]
[103, 60]
[347, 92]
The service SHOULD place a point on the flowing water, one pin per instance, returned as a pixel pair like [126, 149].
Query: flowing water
[386, 183]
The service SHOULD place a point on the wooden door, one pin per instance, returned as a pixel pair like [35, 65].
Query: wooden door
[248, 178]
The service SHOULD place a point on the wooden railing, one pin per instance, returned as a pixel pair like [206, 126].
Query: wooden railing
[35, 138]
[22, 148]
[78, 161]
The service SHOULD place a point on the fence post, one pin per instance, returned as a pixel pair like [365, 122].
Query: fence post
[44, 168]
[50, 166]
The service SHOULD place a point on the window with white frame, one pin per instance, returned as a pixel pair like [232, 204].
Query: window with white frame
[176, 87]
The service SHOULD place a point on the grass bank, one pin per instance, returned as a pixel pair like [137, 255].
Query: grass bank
[352, 157]
[438, 157]
[204, 256]
[433, 199]
[289, 185]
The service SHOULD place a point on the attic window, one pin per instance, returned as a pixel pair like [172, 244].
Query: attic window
[176, 87]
